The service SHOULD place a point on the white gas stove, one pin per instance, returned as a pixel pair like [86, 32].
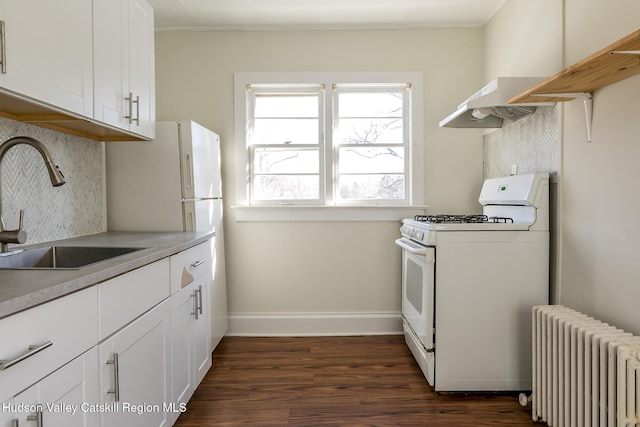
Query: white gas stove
[476, 277]
[517, 202]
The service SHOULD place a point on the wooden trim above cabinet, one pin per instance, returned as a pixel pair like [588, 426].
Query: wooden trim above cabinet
[15, 107]
[592, 73]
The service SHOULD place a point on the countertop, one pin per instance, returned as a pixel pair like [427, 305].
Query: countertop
[23, 289]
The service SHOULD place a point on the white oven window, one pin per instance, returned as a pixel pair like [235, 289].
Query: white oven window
[414, 285]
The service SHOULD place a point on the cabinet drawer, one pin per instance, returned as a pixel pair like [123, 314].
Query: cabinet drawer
[126, 297]
[70, 324]
[188, 265]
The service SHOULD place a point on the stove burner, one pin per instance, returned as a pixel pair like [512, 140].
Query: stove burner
[459, 219]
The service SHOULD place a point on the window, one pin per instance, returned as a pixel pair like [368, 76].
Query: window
[284, 139]
[329, 139]
[371, 144]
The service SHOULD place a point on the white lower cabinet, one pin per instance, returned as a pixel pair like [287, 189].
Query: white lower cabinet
[135, 372]
[38, 341]
[7, 417]
[65, 398]
[190, 322]
[202, 333]
[126, 352]
[191, 337]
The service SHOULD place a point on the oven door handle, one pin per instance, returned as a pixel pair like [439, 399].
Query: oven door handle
[411, 247]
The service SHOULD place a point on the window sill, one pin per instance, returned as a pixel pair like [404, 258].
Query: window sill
[325, 213]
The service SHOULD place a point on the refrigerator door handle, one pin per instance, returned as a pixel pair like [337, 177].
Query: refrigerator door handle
[189, 222]
[188, 171]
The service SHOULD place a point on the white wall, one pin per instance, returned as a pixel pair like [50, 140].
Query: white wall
[324, 267]
[601, 232]
[598, 261]
[524, 39]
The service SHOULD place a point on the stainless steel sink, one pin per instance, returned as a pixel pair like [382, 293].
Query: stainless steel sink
[54, 257]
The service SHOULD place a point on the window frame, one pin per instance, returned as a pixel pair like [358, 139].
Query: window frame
[406, 143]
[283, 89]
[329, 209]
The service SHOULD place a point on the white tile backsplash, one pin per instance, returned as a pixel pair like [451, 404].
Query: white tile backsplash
[51, 213]
[530, 143]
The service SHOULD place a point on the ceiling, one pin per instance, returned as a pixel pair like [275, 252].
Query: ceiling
[321, 14]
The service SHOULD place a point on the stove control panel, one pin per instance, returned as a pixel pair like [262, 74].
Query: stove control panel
[412, 233]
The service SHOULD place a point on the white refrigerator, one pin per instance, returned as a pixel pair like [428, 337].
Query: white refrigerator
[172, 183]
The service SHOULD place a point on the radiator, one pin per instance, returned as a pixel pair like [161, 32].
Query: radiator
[586, 373]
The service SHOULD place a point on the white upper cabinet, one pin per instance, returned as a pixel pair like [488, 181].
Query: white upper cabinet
[142, 82]
[47, 52]
[124, 69]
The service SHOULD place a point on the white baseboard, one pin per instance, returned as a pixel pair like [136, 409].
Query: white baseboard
[317, 324]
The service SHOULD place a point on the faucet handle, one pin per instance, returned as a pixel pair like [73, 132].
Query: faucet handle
[12, 236]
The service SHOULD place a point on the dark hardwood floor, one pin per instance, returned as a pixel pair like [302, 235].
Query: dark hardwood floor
[333, 381]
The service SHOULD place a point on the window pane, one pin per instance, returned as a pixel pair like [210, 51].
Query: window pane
[279, 161]
[285, 131]
[286, 187]
[371, 160]
[286, 105]
[370, 131]
[370, 104]
[371, 186]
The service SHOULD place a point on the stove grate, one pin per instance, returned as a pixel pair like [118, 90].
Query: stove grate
[460, 219]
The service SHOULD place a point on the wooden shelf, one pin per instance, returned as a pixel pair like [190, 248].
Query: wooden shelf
[21, 109]
[592, 73]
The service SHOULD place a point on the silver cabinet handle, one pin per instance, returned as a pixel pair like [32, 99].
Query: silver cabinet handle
[200, 299]
[33, 349]
[3, 49]
[197, 263]
[37, 418]
[195, 304]
[130, 116]
[137, 102]
[116, 377]
[131, 102]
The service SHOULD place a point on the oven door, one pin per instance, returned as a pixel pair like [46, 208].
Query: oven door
[418, 303]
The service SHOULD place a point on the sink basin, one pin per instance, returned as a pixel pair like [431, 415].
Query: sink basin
[61, 257]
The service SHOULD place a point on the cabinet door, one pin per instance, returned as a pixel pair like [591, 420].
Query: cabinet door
[139, 381]
[142, 68]
[124, 66]
[7, 414]
[63, 398]
[183, 306]
[202, 331]
[111, 61]
[48, 51]
[190, 338]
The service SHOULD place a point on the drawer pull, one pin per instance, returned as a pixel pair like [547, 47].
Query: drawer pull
[33, 349]
[116, 377]
[197, 263]
[37, 418]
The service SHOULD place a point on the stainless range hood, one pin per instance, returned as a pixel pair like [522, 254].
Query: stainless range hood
[489, 106]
